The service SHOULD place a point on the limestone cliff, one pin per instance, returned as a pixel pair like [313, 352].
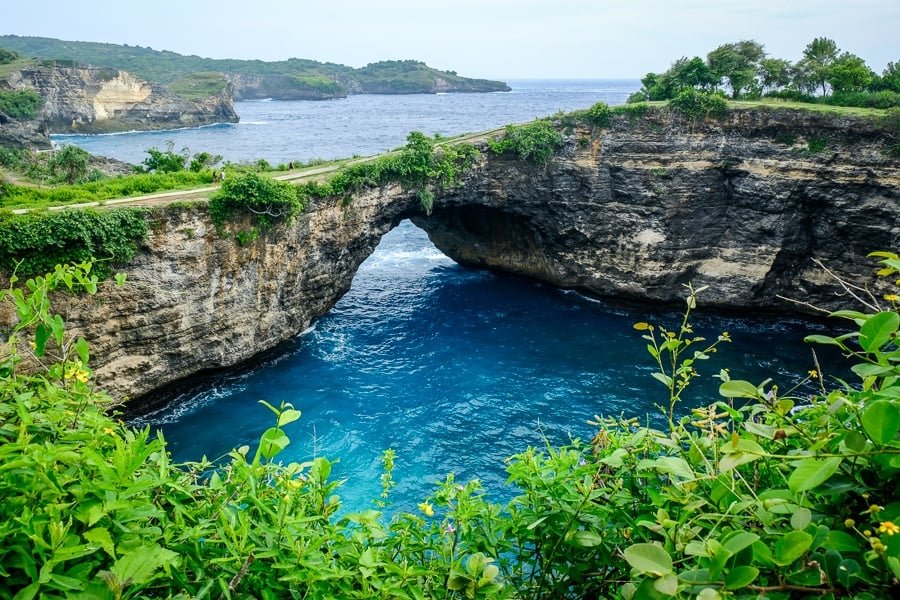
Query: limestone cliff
[742, 205]
[635, 210]
[85, 99]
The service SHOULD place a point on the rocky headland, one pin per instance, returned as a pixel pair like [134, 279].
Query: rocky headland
[743, 204]
[88, 99]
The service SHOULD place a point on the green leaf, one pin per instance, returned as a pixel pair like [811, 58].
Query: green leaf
[41, 335]
[120, 279]
[811, 473]
[650, 559]
[739, 577]
[855, 441]
[667, 585]
[801, 518]
[878, 329]
[674, 465]
[100, 536]
[822, 339]
[587, 539]
[737, 541]
[737, 388]
[791, 547]
[868, 370]
[746, 451]
[663, 378]
[841, 541]
[288, 416]
[272, 442]
[881, 420]
[83, 350]
[139, 565]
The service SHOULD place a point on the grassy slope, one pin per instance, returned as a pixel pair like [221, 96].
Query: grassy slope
[166, 67]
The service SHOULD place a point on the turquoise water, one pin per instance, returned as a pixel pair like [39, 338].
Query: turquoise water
[453, 368]
[456, 369]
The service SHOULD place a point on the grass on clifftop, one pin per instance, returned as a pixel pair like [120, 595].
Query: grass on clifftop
[198, 86]
[853, 111]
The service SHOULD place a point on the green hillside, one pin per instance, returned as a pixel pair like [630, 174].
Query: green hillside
[168, 67]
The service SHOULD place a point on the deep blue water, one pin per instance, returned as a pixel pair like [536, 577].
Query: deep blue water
[456, 369]
[281, 131]
[453, 368]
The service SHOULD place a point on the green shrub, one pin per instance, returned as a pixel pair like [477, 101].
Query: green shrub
[536, 141]
[599, 114]
[760, 494]
[816, 145]
[699, 105]
[264, 199]
[34, 243]
[20, 104]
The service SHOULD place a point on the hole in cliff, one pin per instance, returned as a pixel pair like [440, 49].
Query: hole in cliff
[486, 237]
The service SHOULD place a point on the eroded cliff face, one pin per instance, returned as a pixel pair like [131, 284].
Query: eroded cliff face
[742, 205]
[634, 210]
[96, 100]
[195, 300]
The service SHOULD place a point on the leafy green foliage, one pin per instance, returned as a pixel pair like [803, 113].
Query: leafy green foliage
[697, 105]
[422, 166]
[166, 161]
[8, 56]
[760, 494]
[34, 243]
[264, 199]
[536, 141]
[20, 104]
[71, 162]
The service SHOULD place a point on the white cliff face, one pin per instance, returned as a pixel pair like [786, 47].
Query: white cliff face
[96, 100]
[119, 95]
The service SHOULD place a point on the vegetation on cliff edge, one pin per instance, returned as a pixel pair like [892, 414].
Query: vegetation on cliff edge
[762, 493]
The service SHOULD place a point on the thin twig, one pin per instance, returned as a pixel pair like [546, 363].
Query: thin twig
[236, 580]
[852, 289]
[806, 304]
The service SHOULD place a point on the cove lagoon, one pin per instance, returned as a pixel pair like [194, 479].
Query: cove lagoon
[453, 368]
[456, 369]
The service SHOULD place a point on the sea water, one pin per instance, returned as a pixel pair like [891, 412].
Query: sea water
[453, 368]
[456, 369]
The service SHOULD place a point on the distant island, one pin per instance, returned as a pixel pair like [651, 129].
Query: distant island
[292, 79]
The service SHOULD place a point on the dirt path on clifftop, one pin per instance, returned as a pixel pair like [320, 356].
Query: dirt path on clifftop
[298, 176]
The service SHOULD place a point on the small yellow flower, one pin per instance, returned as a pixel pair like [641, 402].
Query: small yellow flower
[813, 373]
[427, 509]
[875, 509]
[82, 376]
[892, 297]
[108, 431]
[849, 523]
[889, 528]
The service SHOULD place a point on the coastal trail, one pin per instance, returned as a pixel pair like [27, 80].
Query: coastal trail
[298, 176]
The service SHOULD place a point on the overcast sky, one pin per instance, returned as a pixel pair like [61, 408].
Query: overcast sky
[502, 39]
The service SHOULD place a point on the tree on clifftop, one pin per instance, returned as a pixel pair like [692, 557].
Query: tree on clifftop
[818, 57]
[849, 73]
[737, 63]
